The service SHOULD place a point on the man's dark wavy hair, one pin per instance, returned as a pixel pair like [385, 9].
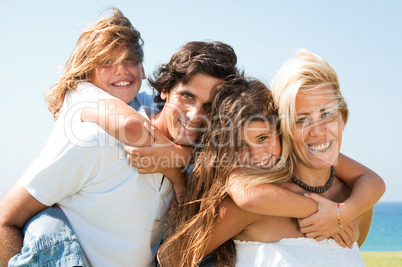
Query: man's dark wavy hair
[215, 59]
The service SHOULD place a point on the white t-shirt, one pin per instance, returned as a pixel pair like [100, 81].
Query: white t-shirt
[116, 213]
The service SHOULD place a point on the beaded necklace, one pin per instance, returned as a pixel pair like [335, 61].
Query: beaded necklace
[318, 189]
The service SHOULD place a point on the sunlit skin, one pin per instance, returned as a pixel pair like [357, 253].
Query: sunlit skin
[317, 135]
[260, 145]
[122, 80]
[183, 117]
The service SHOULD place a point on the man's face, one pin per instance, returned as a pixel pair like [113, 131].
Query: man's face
[183, 117]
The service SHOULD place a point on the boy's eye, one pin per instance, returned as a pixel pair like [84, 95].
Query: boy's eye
[131, 60]
[108, 62]
[262, 138]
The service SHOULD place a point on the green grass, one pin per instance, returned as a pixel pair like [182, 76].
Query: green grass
[382, 259]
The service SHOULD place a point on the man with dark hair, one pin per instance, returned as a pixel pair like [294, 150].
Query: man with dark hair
[116, 212]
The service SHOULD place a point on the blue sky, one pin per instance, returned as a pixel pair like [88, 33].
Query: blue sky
[360, 39]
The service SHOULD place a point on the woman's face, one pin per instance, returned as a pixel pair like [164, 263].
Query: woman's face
[317, 135]
[260, 145]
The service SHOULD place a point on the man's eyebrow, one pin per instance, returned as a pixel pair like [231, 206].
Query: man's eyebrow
[185, 91]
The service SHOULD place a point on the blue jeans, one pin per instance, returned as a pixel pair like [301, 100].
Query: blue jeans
[49, 241]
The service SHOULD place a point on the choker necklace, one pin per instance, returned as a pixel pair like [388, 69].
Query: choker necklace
[319, 189]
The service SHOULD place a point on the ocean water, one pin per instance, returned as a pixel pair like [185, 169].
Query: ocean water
[386, 228]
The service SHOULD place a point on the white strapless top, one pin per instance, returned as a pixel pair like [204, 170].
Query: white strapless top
[297, 252]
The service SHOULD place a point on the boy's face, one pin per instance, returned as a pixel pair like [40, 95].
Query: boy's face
[260, 145]
[183, 117]
[122, 80]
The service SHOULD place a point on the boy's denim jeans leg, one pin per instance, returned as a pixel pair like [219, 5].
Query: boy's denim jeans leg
[50, 241]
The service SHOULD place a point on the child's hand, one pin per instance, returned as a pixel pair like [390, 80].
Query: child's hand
[161, 156]
[324, 222]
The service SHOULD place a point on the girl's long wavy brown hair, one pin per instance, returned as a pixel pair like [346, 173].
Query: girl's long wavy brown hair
[93, 48]
[237, 102]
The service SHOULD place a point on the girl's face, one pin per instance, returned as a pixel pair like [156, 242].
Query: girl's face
[261, 146]
[122, 80]
[317, 135]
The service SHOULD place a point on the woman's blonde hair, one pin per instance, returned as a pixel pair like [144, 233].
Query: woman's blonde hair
[306, 71]
[93, 48]
[235, 104]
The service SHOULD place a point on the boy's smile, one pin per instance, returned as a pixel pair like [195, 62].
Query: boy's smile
[122, 80]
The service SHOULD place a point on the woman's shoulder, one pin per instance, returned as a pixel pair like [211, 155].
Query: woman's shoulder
[339, 191]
